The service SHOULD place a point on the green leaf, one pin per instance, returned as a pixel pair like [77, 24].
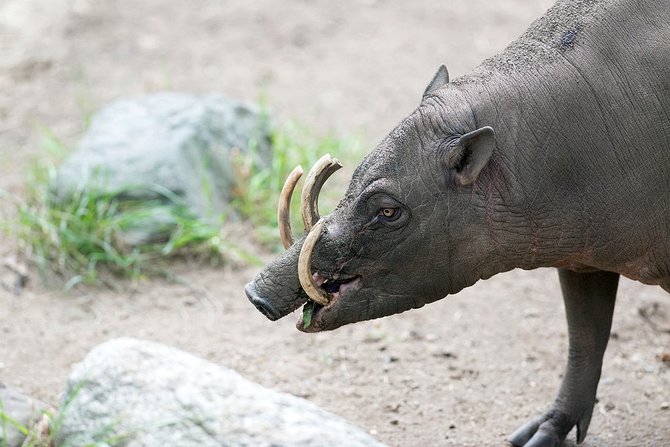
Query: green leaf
[307, 311]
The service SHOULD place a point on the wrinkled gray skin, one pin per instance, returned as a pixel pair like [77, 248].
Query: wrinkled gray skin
[555, 153]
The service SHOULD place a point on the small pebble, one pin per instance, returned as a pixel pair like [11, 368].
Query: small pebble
[392, 407]
[531, 313]
[607, 381]
[444, 354]
[665, 405]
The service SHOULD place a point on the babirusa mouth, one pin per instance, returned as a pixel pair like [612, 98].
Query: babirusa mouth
[332, 287]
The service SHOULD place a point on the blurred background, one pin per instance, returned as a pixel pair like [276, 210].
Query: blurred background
[350, 67]
[462, 372]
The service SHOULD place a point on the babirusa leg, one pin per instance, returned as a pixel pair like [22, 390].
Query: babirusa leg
[589, 304]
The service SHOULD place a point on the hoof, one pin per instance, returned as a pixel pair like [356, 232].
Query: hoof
[548, 430]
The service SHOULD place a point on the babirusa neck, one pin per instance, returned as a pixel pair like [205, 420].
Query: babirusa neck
[527, 183]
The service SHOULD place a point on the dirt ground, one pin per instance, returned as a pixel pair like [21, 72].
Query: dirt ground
[464, 371]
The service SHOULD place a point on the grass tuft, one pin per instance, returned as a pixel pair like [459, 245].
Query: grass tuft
[87, 232]
[37, 436]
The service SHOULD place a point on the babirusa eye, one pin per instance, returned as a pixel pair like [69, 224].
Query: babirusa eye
[388, 213]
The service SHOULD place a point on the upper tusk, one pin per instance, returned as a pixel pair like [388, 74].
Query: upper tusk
[316, 177]
[284, 207]
[310, 287]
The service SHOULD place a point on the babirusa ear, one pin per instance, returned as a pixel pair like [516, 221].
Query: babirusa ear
[470, 154]
[440, 79]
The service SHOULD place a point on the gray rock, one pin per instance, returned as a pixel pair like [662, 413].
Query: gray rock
[171, 142]
[17, 408]
[144, 394]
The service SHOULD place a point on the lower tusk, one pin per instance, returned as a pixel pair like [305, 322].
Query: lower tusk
[317, 176]
[312, 290]
[284, 207]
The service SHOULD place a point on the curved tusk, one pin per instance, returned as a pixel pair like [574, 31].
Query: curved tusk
[316, 177]
[284, 207]
[310, 287]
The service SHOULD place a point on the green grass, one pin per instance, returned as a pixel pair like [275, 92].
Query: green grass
[80, 236]
[7, 421]
[86, 234]
[107, 436]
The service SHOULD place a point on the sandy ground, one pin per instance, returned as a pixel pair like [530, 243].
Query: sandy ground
[464, 371]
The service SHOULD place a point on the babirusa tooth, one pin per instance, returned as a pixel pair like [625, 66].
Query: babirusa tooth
[307, 282]
[309, 201]
[284, 207]
[317, 176]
